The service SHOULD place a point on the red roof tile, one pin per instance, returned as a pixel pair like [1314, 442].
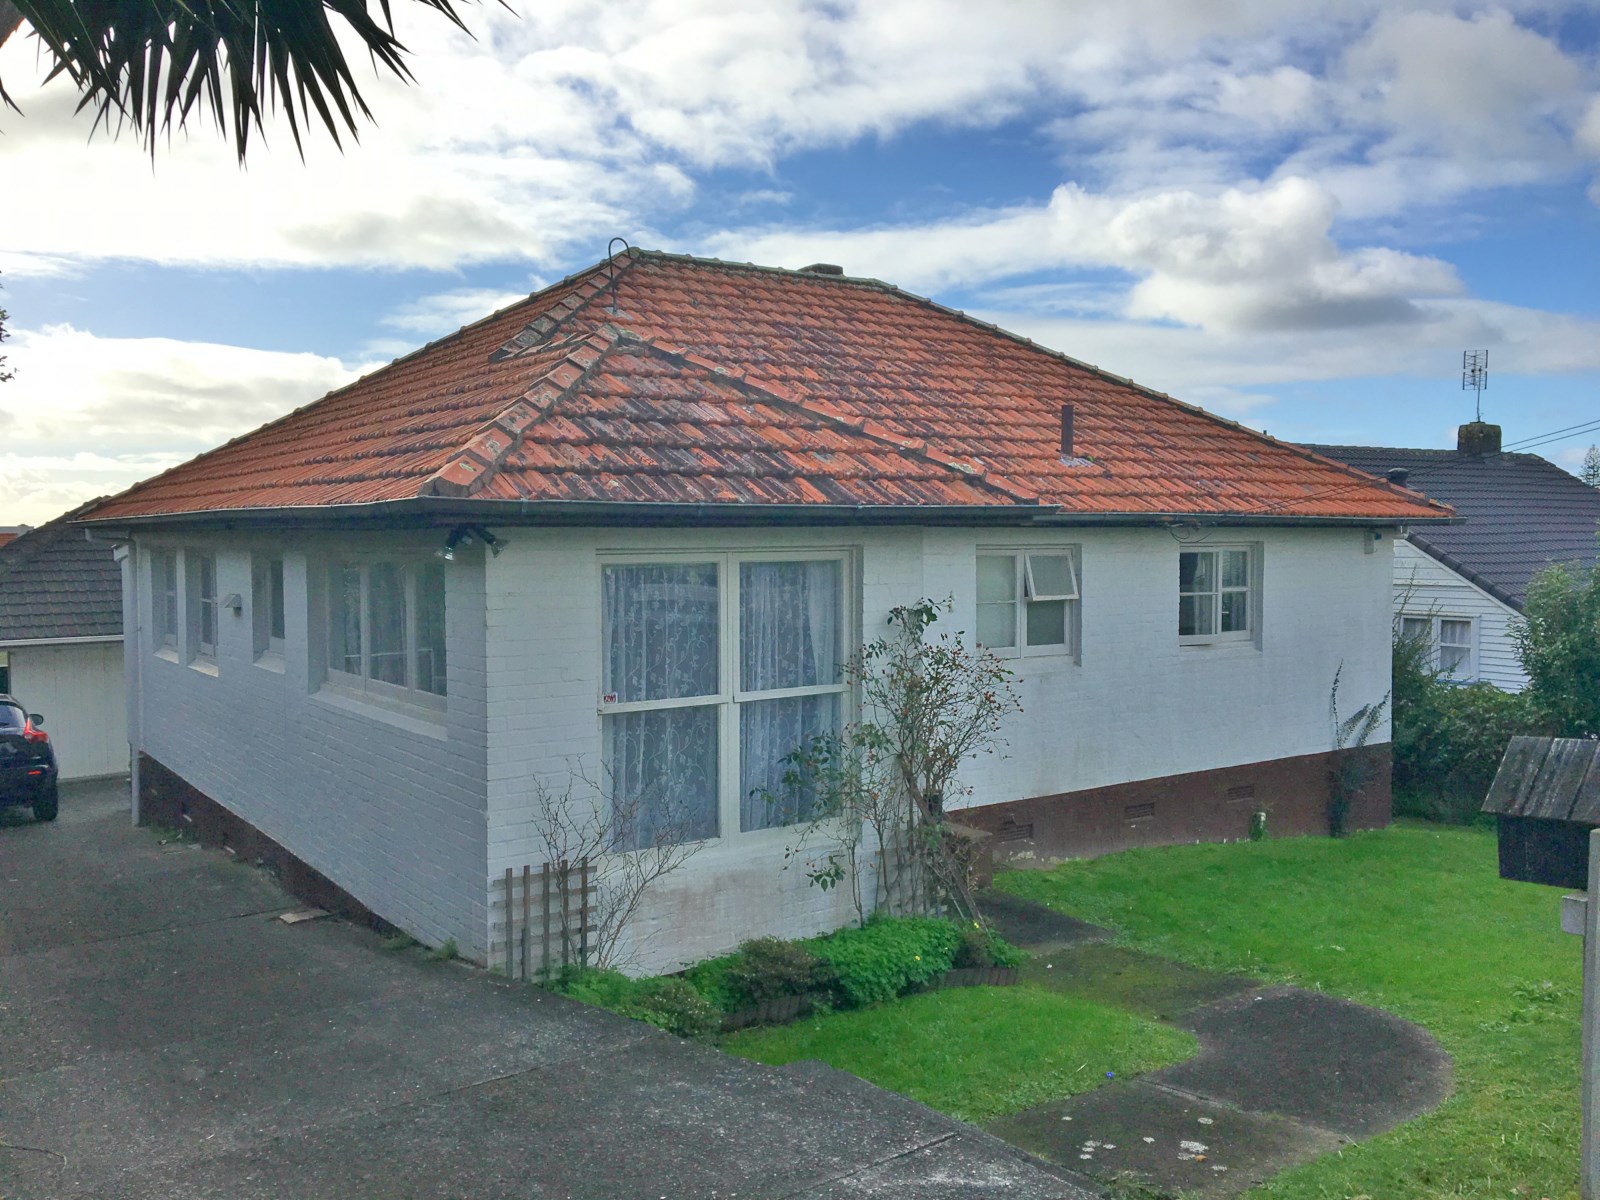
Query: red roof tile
[717, 383]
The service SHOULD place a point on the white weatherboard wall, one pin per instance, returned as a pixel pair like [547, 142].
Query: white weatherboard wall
[77, 687]
[390, 808]
[1424, 586]
[1132, 704]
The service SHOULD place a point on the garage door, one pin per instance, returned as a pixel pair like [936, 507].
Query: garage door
[78, 689]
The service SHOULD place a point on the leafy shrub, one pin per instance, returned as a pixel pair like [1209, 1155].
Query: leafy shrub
[667, 1002]
[1450, 745]
[767, 968]
[1449, 739]
[982, 948]
[1558, 641]
[603, 989]
[710, 978]
[671, 1003]
[887, 956]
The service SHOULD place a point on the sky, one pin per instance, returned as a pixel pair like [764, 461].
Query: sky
[1297, 215]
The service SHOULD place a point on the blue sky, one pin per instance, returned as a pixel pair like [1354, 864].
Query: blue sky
[1298, 220]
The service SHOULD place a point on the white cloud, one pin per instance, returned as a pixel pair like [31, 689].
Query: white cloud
[444, 312]
[130, 407]
[1483, 85]
[578, 120]
[1227, 260]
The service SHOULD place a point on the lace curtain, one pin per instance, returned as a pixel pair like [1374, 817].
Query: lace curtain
[789, 622]
[661, 631]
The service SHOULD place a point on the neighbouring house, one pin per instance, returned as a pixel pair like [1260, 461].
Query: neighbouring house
[61, 643]
[629, 527]
[10, 533]
[1462, 586]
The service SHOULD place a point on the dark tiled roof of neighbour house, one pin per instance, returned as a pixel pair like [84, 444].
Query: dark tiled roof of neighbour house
[1520, 513]
[716, 383]
[56, 584]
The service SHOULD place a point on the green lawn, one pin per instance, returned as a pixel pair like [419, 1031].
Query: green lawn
[1412, 919]
[976, 1052]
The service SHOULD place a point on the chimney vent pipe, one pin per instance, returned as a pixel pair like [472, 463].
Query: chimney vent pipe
[1066, 431]
[1398, 476]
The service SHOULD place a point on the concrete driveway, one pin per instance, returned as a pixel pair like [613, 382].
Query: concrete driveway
[163, 1035]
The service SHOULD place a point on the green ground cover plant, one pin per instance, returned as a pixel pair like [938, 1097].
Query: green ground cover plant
[1415, 920]
[975, 1052]
[852, 968]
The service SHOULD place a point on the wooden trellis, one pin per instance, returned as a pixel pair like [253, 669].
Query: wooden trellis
[542, 921]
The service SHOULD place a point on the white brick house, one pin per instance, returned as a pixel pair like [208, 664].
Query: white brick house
[703, 485]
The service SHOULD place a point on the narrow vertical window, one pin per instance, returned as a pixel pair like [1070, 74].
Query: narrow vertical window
[164, 599]
[661, 679]
[791, 689]
[997, 601]
[430, 629]
[266, 605]
[200, 583]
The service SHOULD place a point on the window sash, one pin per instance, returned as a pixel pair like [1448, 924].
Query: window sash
[266, 605]
[373, 642]
[200, 576]
[1217, 603]
[1455, 656]
[790, 583]
[164, 593]
[1011, 604]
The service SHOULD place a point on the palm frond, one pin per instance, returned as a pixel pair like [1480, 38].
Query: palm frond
[154, 64]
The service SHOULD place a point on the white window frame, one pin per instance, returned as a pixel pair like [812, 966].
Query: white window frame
[730, 695]
[165, 613]
[1436, 643]
[390, 694]
[1023, 594]
[1251, 591]
[199, 605]
[268, 607]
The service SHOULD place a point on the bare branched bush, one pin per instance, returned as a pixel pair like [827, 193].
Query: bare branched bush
[629, 843]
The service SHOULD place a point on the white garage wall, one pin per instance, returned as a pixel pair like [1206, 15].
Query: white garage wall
[77, 688]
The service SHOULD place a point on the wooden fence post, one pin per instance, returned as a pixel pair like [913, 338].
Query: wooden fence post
[511, 922]
[544, 911]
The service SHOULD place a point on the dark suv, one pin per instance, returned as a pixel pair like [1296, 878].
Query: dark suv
[27, 761]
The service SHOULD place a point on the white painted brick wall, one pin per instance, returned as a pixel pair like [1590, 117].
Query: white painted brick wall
[1424, 585]
[394, 816]
[1131, 705]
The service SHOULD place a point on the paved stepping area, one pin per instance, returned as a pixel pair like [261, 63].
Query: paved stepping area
[1024, 923]
[1283, 1075]
[1147, 984]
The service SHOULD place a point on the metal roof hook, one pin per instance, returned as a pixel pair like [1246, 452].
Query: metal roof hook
[611, 264]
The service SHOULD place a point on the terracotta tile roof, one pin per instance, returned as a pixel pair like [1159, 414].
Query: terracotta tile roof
[720, 383]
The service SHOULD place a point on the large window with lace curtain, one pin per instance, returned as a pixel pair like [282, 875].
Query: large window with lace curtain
[715, 670]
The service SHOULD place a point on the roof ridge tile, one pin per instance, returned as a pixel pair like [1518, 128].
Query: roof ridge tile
[541, 330]
[472, 467]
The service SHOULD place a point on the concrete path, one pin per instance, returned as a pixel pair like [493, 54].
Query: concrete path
[1283, 1075]
[164, 1037]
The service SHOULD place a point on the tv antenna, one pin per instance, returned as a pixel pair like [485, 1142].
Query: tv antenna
[1475, 375]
